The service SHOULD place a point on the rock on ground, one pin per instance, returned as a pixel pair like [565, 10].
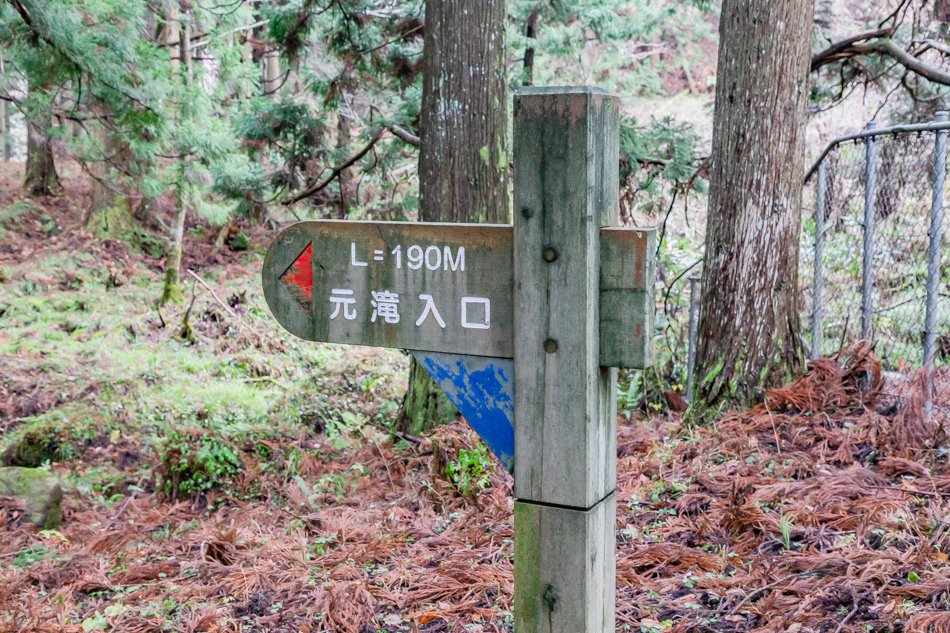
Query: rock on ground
[40, 492]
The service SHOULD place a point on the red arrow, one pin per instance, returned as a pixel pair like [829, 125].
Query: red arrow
[299, 277]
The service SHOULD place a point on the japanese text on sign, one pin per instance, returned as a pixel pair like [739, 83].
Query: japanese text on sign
[417, 286]
[475, 312]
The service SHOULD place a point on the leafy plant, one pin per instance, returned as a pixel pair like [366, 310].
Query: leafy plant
[785, 524]
[196, 462]
[32, 554]
[95, 622]
[470, 470]
[628, 397]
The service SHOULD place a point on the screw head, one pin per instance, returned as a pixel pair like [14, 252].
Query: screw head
[550, 254]
[550, 346]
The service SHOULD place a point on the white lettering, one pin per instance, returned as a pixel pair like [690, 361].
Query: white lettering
[398, 253]
[385, 306]
[482, 324]
[458, 263]
[342, 299]
[353, 260]
[414, 256]
[433, 264]
[429, 309]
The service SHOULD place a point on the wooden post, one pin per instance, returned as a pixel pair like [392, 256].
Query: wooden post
[566, 188]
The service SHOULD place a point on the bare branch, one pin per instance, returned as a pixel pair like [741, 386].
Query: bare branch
[306, 193]
[881, 45]
[895, 16]
[886, 46]
[405, 135]
[841, 49]
[935, 45]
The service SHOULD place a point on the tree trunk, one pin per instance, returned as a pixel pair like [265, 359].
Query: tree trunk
[40, 177]
[530, 33]
[343, 133]
[5, 120]
[271, 73]
[171, 292]
[749, 327]
[463, 160]
[109, 214]
[5, 131]
[425, 406]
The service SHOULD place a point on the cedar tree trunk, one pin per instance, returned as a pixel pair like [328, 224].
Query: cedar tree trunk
[171, 292]
[749, 327]
[40, 177]
[463, 159]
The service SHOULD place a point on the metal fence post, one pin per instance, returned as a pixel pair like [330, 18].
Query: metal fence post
[693, 327]
[933, 259]
[819, 254]
[867, 279]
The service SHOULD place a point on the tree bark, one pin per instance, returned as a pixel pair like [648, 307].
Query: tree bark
[5, 131]
[171, 292]
[463, 161]
[749, 327]
[463, 158]
[271, 73]
[531, 33]
[345, 178]
[109, 214]
[40, 178]
[5, 121]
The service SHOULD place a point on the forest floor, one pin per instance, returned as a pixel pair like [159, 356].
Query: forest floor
[245, 481]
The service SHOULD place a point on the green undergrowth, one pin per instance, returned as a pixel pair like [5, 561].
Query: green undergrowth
[60, 434]
[124, 403]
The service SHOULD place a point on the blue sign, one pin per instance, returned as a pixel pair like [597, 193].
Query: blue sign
[482, 389]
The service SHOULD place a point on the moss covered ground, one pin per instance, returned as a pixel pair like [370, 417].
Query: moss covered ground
[238, 479]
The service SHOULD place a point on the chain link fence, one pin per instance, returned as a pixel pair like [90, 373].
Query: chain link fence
[873, 263]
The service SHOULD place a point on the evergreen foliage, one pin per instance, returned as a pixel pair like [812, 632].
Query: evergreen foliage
[104, 77]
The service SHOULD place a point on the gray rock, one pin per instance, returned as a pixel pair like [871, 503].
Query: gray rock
[40, 492]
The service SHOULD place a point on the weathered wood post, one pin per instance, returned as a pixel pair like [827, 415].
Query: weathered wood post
[557, 300]
[566, 188]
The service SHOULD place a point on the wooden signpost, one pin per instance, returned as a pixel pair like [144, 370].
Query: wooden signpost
[522, 325]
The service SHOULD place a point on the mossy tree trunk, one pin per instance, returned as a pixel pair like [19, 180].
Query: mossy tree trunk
[749, 327]
[172, 292]
[425, 405]
[5, 130]
[463, 160]
[109, 213]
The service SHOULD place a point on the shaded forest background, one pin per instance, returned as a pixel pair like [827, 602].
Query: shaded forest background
[219, 473]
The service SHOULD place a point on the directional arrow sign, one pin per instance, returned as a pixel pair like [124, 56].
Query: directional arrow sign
[426, 287]
[438, 287]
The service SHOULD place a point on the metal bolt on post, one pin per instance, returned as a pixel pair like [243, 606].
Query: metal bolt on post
[694, 288]
[819, 255]
[935, 234]
[867, 279]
